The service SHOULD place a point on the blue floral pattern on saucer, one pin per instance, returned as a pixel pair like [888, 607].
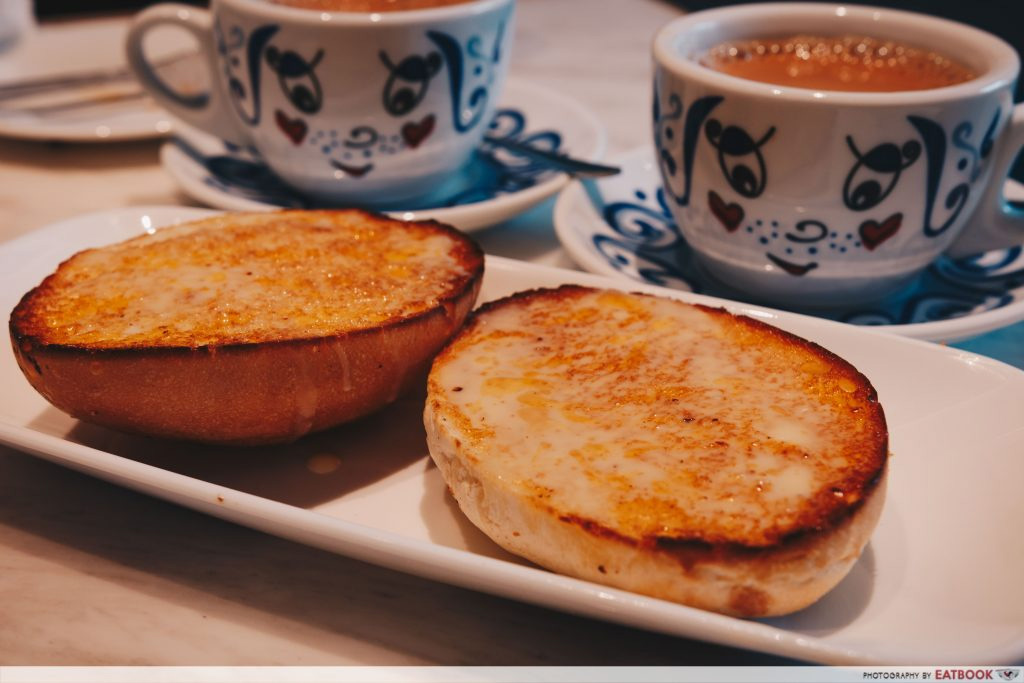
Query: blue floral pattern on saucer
[490, 173]
[632, 234]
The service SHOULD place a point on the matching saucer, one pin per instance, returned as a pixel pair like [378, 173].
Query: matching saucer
[633, 236]
[494, 186]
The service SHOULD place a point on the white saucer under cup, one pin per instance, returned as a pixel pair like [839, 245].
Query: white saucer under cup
[505, 186]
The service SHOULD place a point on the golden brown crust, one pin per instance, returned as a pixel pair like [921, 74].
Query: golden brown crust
[647, 505]
[296, 249]
[256, 382]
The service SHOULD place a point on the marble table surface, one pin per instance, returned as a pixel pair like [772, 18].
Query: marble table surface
[93, 574]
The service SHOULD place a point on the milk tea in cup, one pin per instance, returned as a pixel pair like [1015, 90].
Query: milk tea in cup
[820, 155]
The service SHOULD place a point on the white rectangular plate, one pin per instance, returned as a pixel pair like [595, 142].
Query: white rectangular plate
[940, 581]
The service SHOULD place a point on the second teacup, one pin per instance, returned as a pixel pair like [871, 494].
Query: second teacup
[808, 196]
[365, 108]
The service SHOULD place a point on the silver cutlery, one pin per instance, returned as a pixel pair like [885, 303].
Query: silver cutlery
[68, 82]
[79, 104]
[36, 86]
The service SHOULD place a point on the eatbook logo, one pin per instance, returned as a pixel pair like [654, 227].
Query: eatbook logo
[980, 674]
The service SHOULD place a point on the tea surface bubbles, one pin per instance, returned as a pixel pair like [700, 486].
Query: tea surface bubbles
[848, 63]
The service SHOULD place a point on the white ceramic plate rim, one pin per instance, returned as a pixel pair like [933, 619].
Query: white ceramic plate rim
[568, 230]
[34, 255]
[585, 137]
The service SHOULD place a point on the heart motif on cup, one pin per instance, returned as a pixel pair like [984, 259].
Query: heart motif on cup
[294, 129]
[415, 133]
[873, 233]
[730, 215]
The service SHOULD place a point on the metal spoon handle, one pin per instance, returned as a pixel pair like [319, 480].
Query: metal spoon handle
[560, 162]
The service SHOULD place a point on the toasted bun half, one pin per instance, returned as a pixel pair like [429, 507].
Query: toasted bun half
[247, 328]
[669, 449]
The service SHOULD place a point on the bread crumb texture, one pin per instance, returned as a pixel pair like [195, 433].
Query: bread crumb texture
[247, 279]
[656, 422]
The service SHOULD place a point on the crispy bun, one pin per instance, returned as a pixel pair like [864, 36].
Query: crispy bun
[247, 328]
[669, 449]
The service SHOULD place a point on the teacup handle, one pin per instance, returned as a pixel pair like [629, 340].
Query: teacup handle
[996, 224]
[208, 111]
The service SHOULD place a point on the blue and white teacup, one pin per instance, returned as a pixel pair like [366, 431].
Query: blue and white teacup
[811, 198]
[346, 107]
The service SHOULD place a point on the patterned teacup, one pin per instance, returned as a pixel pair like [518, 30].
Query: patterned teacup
[348, 107]
[811, 198]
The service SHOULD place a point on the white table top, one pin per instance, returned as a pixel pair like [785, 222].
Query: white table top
[95, 574]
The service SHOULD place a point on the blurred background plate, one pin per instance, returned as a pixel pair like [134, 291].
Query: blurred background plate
[112, 111]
